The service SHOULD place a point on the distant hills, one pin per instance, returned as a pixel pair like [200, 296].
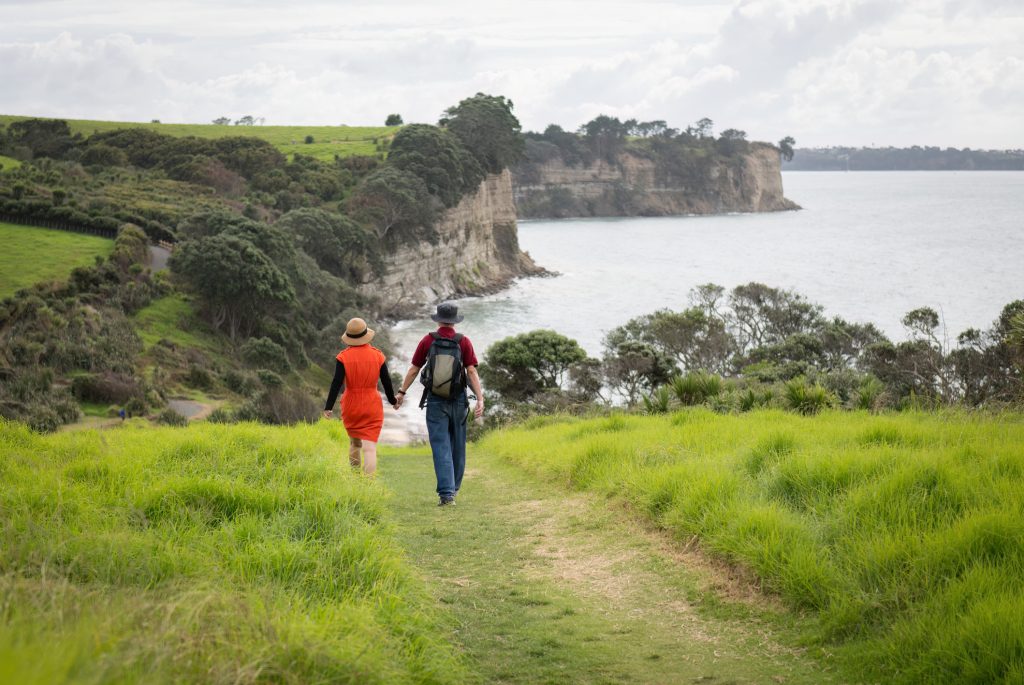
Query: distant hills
[914, 158]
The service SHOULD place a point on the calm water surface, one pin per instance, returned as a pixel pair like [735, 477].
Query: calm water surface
[868, 246]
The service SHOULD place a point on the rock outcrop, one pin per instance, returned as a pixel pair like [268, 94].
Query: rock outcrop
[635, 186]
[476, 251]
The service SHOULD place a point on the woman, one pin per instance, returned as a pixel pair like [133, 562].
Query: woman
[359, 367]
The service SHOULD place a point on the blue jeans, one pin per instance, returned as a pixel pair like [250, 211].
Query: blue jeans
[446, 427]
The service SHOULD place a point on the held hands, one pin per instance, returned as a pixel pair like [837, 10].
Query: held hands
[328, 413]
[400, 398]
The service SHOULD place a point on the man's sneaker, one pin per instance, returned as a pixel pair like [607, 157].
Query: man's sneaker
[446, 501]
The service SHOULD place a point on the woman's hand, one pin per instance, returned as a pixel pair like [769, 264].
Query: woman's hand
[398, 401]
[328, 413]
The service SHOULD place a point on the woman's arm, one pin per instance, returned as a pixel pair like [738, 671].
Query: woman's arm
[339, 378]
[385, 380]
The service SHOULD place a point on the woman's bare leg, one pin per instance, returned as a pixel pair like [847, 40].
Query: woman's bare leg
[354, 445]
[369, 457]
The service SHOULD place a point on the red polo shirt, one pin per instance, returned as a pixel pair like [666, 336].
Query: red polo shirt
[419, 358]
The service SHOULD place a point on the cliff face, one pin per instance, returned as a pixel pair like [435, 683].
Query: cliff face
[477, 251]
[635, 186]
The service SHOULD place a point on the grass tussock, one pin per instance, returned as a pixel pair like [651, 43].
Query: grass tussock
[904, 534]
[218, 554]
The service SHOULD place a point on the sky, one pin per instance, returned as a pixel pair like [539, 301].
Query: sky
[827, 72]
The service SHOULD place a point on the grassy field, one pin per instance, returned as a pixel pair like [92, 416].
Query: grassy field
[31, 255]
[214, 554]
[172, 318]
[903, 534]
[7, 163]
[328, 141]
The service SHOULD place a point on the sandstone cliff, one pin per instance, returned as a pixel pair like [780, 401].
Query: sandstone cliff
[638, 186]
[477, 251]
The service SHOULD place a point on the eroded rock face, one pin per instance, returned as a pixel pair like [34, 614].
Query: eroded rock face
[477, 251]
[634, 187]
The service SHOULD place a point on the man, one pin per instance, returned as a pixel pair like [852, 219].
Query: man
[446, 418]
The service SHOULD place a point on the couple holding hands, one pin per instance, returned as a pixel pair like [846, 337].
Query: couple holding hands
[360, 367]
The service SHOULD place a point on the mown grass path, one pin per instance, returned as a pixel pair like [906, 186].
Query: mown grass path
[547, 586]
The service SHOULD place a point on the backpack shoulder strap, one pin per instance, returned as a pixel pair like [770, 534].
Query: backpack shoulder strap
[459, 337]
[435, 335]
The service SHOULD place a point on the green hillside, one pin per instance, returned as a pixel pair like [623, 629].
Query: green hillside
[903, 534]
[31, 255]
[215, 554]
[328, 141]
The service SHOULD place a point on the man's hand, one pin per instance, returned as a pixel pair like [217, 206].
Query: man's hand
[479, 410]
[328, 413]
[399, 399]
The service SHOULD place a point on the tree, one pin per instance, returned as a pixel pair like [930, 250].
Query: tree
[761, 315]
[633, 367]
[732, 141]
[486, 126]
[339, 245]
[393, 120]
[522, 366]
[605, 136]
[393, 201]
[44, 137]
[222, 121]
[247, 120]
[786, 148]
[437, 157]
[236, 281]
[704, 128]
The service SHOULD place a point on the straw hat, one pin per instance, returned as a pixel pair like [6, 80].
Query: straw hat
[357, 333]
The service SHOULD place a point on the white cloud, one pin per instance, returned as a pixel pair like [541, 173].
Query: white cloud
[826, 71]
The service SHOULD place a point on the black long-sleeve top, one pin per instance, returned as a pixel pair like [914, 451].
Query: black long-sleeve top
[339, 378]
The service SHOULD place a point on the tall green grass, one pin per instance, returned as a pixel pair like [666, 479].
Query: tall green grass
[904, 534]
[214, 554]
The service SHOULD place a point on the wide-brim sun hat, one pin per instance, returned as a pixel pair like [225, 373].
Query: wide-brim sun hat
[357, 333]
[447, 313]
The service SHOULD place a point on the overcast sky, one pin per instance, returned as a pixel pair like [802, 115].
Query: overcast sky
[859, 72]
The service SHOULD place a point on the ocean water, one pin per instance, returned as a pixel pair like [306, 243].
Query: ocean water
[868, 246]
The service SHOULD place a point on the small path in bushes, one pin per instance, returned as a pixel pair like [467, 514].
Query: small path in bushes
[549, 586]
[190, 409]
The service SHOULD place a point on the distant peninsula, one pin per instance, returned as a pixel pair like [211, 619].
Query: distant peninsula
[610, 167]
[915, 158]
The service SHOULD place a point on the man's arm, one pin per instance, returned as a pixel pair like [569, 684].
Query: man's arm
[407, 382]
[474, 382]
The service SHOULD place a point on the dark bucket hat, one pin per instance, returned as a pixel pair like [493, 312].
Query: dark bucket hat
[447, 313]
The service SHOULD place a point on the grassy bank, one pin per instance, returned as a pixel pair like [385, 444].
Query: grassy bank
[904, 534]
[209, 554]
[33, 254]
[328, 141]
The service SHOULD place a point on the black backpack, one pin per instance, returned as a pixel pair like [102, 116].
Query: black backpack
[443, 374]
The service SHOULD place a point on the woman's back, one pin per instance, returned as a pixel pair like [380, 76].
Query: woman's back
[362, 367]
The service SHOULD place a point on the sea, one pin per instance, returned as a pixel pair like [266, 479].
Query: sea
[867, 246]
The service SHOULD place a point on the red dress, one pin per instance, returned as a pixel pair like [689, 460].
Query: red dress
[362, 411]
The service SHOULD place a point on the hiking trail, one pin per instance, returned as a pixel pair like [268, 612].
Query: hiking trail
[546, 585]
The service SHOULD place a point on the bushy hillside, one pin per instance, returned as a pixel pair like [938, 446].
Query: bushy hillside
[904, 533]
[327, 142]
[211, 554]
